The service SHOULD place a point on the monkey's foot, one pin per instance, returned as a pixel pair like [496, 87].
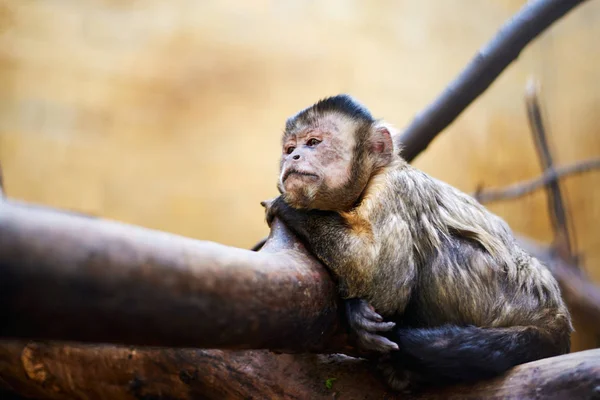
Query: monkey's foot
[366, 323]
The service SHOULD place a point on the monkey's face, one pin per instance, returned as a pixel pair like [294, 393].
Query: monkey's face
[316, 164]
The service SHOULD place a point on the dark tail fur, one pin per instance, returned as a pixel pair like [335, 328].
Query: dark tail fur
[452, 354]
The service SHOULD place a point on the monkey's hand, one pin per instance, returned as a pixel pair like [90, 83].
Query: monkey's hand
[366, 323]
[271, 206]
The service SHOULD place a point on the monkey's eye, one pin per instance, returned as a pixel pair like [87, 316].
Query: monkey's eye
[290, 150]
[313, 142]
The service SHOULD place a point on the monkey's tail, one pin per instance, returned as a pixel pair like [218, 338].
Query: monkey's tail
[452, 354]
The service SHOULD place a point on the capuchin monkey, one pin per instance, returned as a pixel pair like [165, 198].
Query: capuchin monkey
[433, 283]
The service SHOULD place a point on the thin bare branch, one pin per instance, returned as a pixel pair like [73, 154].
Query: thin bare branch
[556, 205]
[523, 188]
[482, 70]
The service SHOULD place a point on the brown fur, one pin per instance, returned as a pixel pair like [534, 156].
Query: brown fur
[421, 252]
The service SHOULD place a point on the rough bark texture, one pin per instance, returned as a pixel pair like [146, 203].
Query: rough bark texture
[51, 370]
[54, 371]
[68, 277]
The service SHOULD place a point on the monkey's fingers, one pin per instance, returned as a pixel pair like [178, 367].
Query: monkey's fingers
[370, 341]
[270, 213]
[267, 203]
[271, 208]
[372, 326]
[369, 312]
[362, 309]
[362, 316]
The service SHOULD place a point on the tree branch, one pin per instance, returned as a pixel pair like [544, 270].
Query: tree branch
[59, 371]
[68, 277]
[55, 371]
[556, 204]
[481, 71]
[101, 281]
[522, 188]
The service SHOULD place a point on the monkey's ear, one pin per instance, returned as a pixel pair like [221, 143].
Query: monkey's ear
[382, 145]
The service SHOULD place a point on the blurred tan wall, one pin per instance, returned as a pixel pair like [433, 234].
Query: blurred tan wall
[168, 114]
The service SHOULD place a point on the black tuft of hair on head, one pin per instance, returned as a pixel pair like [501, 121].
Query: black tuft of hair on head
[342, 103]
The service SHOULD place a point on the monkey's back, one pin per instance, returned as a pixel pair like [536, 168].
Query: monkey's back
[458, 262]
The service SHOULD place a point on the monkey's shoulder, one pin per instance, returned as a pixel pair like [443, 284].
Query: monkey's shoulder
[358, 222]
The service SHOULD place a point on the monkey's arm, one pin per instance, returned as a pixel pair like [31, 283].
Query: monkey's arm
[329, 237]
[333, 242]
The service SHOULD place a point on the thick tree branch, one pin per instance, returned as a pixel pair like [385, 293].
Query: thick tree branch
[523, 188]
[69, 277]
[54, 371]
[481, 71]
[75, 278]
[57, 371]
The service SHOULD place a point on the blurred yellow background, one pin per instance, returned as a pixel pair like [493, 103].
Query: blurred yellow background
[167, 114]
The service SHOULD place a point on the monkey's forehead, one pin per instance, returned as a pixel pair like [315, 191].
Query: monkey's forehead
[332, 123]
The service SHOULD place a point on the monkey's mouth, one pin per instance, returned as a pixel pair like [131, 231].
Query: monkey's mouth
[290, 172]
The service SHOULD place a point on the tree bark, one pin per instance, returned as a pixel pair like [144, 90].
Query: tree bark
[68, 277]
[54, 371]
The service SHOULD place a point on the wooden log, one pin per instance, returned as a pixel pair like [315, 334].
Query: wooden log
[571, 376]
[68, 277]
[54, 371]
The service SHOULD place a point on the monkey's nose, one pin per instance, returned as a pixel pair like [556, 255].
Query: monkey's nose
[296, 157]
